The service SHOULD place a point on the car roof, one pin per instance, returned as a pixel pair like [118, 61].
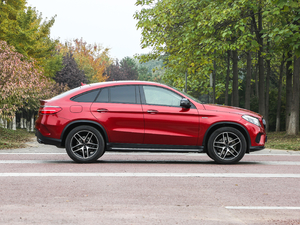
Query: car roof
[121, 82]
[89, 87]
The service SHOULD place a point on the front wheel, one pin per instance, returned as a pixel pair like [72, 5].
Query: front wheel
[85, 144]
[226, 145]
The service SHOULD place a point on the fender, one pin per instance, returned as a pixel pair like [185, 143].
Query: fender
[86, 122]
[222, 124]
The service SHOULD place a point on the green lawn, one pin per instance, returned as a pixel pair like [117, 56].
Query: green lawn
[10, 139]
[279, 140]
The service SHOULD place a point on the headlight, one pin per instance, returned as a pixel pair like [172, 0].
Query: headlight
[251, 119]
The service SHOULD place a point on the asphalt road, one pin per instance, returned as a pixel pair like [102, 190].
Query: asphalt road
[41, 185]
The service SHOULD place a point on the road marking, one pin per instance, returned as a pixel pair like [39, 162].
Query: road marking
[143, 153]
[282, 163]
[263, 207]
[204, 175]
[34, 153]
[32, 161]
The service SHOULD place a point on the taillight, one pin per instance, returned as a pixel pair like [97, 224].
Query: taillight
[49, 109]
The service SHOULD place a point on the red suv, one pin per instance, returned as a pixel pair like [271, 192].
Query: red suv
[145, 116]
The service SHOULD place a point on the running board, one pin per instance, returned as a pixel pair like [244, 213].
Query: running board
[154, 148]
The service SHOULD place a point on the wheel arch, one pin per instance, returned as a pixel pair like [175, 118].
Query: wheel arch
[77, 123]
[216, 126]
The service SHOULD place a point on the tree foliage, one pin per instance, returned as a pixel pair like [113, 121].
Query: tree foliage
[195, 37]
[21, 84]
[126, 69]
[70, 75]
[93, 59]
[24, 28]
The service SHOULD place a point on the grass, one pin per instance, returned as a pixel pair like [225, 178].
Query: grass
[279, 140]
[10, 139]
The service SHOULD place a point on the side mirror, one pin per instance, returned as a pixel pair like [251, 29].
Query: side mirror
[185, 103]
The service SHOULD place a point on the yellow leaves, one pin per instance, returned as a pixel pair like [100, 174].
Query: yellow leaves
[93, 59]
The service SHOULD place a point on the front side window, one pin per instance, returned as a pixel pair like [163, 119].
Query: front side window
[161, 96]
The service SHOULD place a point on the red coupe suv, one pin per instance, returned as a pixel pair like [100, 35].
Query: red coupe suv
[145, 116]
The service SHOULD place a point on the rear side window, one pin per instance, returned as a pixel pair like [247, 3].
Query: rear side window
[118, 94]
[103, 96]
[86, 96]
[122, 94]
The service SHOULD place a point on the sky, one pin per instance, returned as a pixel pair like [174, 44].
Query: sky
[106, 22]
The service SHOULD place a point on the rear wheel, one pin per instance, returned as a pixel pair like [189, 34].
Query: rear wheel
[85, 144]
[226, 145]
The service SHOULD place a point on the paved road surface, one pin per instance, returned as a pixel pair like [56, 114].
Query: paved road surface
[41, 185]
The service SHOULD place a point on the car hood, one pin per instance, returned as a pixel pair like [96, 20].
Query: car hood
[230, 109]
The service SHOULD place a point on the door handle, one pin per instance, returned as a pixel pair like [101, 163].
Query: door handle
[152, 111]
[102, 110]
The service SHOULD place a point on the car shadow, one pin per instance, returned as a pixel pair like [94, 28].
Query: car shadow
[171, 162]
[183, 162]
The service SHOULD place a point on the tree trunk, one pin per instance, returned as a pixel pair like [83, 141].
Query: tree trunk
[227, 77]
[261, 103]
[289, 85]
[258, 28]
[1, 123]
[267, 91]
[256, 81]
[235, 82]
[14, 123]
[248, 81]
[24, 122]
[279, 95]
[32, 123]
[21, 120]
[294, 112]
[214, 83]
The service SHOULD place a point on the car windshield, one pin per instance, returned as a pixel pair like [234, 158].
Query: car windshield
[195, 99]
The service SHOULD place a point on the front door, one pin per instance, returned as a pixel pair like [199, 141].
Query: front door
[166, 122]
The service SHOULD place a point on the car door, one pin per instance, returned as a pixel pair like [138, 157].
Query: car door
[166, 123]
[118, 109]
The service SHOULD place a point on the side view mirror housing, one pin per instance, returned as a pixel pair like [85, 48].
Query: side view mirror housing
[185, 103]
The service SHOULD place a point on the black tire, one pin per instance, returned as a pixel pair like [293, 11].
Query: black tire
[208, 154]
[85, 144]
[226, 145]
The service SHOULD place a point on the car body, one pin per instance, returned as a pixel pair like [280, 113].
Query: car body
[145, 116]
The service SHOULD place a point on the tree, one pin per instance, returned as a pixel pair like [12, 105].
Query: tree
[114, 72]
[193, 34]
[9, 11]
[129, 68]
[93, 59]
[25, 29]
[125, 70]
[70, 75]
[284, 32]
[21, 83]
[196, 35]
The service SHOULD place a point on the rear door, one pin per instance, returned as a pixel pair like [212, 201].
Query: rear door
[118, 109]
[166, 122]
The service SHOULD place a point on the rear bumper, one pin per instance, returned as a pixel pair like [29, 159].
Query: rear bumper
[46, 140]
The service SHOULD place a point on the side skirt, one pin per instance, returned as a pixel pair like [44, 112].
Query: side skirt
[153, 148]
